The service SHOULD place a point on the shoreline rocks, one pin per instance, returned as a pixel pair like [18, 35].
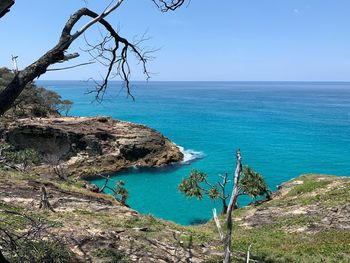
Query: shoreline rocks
[92, 145]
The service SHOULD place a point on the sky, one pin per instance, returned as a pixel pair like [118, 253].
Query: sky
[238, 40]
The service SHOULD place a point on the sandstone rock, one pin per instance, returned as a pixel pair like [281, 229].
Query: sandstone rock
[91, 145]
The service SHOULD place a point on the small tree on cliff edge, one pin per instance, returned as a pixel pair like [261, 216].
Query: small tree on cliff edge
[250, 183]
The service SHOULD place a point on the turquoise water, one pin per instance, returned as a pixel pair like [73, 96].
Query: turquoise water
[284, 129]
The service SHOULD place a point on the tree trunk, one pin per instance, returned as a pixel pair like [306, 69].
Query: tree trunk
[5, 6]
[224, 208]
[233, 200]
[44, 203]
[22, 78]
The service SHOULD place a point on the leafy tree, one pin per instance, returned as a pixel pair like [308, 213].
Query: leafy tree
[26, 158]
[121, 191]
[252, 184]
[197, 185]
[65, 107]
[34, 101]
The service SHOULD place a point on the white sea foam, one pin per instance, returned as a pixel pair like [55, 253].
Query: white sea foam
[190, 155]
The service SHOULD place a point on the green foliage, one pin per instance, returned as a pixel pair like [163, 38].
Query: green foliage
[65, 107]
[34, 101]
[24, 238]
[43, 251]
[213, 192]
[26, 157]
[191, 186]
[252, 183]
[115, 255]
[308, 186]
[122, 191]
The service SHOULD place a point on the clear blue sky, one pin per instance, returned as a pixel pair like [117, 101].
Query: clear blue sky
[208, 40]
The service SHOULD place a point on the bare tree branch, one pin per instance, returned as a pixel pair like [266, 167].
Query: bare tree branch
[116, 56]
[75, 66]
[5, 6]
[166, 5]
[56, 54]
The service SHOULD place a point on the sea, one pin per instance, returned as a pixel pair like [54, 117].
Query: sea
[283, 129]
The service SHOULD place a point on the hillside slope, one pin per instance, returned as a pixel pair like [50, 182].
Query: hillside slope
[307, 221]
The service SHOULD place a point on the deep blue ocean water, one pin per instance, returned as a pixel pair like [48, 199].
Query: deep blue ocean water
[283, 129]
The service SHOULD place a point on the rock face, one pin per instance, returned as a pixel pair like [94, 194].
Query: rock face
[93, 145]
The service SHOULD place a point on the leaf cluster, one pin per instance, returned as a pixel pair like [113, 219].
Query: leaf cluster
[196, 185]
[193, 186]
[121, 191]
[252, 183]
[25, 158]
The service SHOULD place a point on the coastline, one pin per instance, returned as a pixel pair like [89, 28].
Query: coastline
[89, 146]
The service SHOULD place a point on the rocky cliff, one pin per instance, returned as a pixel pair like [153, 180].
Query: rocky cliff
[90, 145]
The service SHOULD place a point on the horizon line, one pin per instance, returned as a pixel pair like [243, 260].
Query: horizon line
[320, 81]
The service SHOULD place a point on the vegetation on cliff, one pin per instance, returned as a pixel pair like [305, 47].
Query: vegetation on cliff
[250, 183]
[34, 101]
[306, 221]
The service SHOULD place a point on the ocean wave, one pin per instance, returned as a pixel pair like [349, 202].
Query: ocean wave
[190, 155]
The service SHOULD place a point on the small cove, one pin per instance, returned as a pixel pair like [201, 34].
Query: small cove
[284, 129]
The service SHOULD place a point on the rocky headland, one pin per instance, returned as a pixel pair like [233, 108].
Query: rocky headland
[91, 145]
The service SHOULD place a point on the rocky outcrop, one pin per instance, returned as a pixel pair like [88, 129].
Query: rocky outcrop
[90, 145]
[89, 224]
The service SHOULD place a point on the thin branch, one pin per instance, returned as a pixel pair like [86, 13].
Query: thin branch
[75, 66]
[166, 5]
[96, 19]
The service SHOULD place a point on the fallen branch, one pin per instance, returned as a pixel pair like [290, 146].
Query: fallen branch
[248, 254]
[218, 226]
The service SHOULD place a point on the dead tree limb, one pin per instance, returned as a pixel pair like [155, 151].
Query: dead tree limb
[166, 5]
[57, 53]
[44, 203]
[218, 225]
[5, 6]
[233, 201]
[248, 254]
[105, 184]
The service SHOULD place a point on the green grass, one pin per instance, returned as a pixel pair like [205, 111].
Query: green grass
[114, 255]
[271, 244]
[15, 222]
[274, 243]
[308, 186]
